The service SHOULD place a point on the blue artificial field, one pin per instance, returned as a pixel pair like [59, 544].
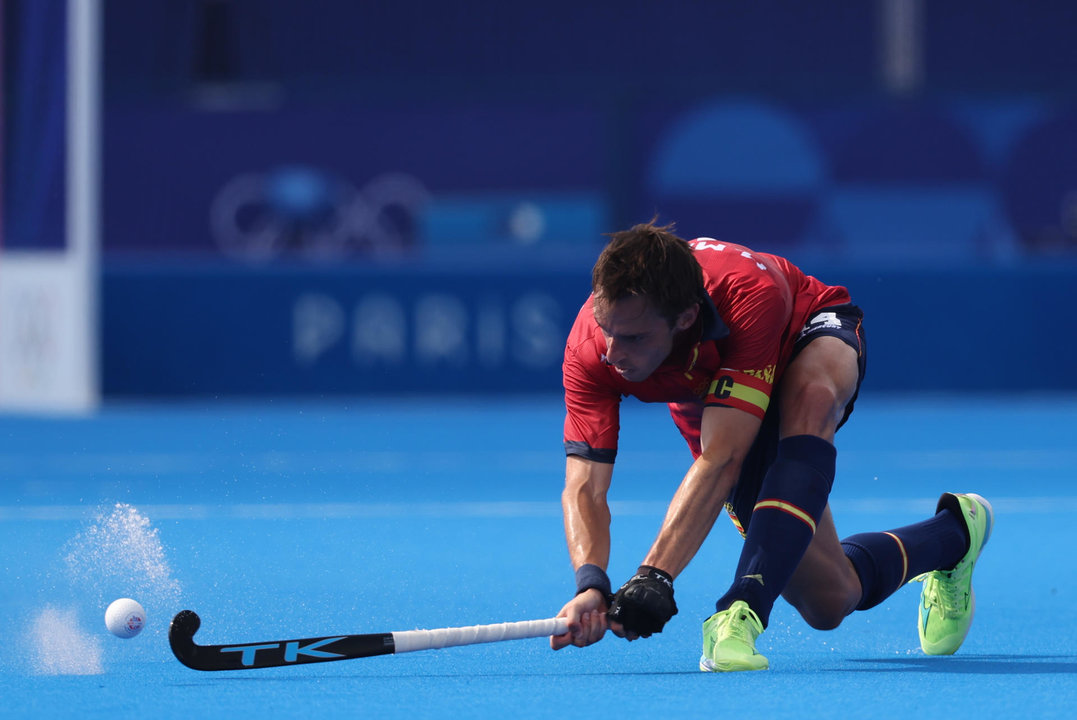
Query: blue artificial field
[282, 519]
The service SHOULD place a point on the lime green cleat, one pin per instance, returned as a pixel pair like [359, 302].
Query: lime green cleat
[947, 601]
[729, 640]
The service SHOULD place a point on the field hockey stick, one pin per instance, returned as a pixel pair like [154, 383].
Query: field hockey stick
[275, 653]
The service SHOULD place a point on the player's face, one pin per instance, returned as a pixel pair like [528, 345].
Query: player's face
[638, 339]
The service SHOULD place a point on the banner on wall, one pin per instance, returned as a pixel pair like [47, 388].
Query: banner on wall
[177, 332]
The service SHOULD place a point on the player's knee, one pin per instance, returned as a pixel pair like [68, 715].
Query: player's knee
[822, 395]
[814, 407]
[822, 619]
[826, 615]
[825, 610]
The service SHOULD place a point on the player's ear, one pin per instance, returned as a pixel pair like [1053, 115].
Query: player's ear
[687, 318]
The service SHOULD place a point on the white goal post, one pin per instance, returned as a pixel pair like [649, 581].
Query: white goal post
[48, 297]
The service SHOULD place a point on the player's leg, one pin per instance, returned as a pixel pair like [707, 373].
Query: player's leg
[857, 573]
[941, 550]
[825, 586]
[790, 521]
[834, 578]
[818, 386]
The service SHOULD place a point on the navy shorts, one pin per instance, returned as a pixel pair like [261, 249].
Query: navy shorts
[844, 322]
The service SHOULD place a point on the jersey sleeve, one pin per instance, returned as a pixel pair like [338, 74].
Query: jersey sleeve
[750, 355]
[592, 415]
[592, 403]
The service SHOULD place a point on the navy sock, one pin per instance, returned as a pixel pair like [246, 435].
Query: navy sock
[885, 561]
[791, 501]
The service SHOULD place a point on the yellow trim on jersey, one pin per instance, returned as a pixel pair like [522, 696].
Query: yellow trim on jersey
[766, 374]
[788, 508]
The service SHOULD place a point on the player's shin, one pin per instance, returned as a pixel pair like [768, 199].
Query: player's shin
[791, 501]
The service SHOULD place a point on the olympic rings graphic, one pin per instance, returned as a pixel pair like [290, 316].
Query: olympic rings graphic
[308, 212]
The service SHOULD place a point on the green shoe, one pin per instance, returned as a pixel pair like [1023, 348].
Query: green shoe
[729, 640]
[947, 601]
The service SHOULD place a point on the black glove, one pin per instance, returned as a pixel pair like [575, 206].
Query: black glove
[644, 604]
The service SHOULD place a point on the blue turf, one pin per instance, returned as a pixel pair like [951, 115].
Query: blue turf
[287, 519]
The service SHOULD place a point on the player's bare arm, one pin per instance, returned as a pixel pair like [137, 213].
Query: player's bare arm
[726, 436]
[587, 531]
[643, 605]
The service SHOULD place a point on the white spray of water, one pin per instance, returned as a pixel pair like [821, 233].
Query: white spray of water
[61, 647]
[119, 554]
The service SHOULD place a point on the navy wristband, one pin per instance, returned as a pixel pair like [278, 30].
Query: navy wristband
[592, 576]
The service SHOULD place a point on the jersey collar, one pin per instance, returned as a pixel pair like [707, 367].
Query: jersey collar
[712, 326]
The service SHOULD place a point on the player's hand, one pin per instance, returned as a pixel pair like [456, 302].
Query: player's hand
[586, 614]
[643, 605]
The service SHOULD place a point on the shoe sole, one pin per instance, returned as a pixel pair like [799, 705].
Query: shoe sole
[990, 516]
[708, 665]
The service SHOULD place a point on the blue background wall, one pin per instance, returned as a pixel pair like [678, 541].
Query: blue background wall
[334, 197]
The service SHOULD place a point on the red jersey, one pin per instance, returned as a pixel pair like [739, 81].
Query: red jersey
[740, 347]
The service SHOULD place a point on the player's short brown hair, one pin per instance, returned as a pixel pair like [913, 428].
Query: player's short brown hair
[650, 261]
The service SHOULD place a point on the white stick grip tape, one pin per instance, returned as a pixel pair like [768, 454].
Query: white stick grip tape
[412, 640]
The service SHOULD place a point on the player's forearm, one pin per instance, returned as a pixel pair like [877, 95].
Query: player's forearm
[587, 527]
[691, 514]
